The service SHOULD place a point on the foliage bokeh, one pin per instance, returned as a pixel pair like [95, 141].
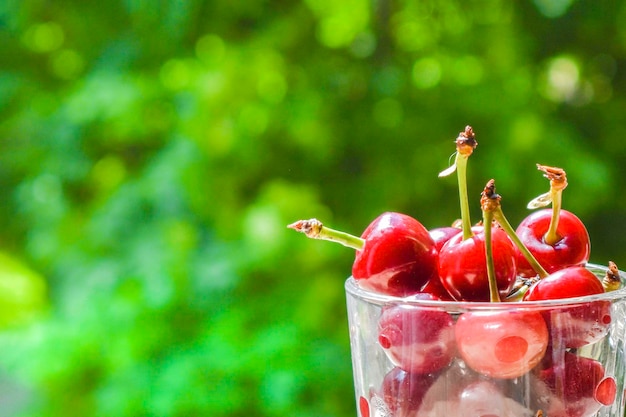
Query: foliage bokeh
[153, 152]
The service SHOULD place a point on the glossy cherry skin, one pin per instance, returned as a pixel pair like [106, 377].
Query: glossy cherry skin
[419, 339]
[441, 235]
[434, 286]
[572, 250]
[398, 256]
[501, 344]
[574, 386]
[463, 265]
[582, 323]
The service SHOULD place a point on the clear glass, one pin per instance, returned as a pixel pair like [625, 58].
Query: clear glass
[422, 358]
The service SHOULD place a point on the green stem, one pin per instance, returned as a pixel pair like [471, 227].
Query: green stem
[552, 236]
[314, 229]
[518, 295]
[494, 295]
[506, 226]
[461, 169]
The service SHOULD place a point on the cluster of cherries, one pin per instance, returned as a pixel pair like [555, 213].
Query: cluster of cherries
[544, 258]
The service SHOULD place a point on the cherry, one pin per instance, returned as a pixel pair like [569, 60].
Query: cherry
[574, 386]
[441, 235]
[404, 391]
[501, 344]
[486, 399]
[419, 339]
[435, 288]
[461, 392]
[579, 324]
[572, 249]
[575, 281]
[555, 237]
[463, 265]
[398, 256]
[395, 255]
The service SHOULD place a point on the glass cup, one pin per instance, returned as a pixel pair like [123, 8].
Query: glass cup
[421, 358]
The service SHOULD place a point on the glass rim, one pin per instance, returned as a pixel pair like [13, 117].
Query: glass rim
[373, 297]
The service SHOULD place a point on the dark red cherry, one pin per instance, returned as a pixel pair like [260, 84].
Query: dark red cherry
[441, 235]
[419, 339]
[404, 391]
[435, 288]
[572, 250]
[578, 324]
[398, 256]
[463, 265]
[501, 344]
[574, 386]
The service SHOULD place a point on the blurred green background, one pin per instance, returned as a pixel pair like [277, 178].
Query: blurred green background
[152, 153]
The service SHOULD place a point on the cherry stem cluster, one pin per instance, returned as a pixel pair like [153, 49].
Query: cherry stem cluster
[314, 229]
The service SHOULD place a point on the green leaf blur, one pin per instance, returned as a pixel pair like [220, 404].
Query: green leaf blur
[153, 153]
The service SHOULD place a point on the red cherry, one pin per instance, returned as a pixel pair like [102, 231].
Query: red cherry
[574, 386]
[403, 391]
[582, 323]
[419, 339]
[463, 265]
[501, 344]
[435, 288]
[571, 250]
[571, 282]
[441, 235]
[398, 256]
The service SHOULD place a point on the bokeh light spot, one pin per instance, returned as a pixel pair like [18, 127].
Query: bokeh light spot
[426, 73]
[334, 32]
[413, 35]
[175, 74]
[340, 22]
[210, 49]
[67, 64]
[563, 76]
[44, 37]
[272, 87]
[108, 172]
[553, 8]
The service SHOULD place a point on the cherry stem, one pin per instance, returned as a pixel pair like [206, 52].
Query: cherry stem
[558, 182]
[314, 229]
[611, 280]
[498, 215]
[487, 209]
[521, 289]
[465, 145]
